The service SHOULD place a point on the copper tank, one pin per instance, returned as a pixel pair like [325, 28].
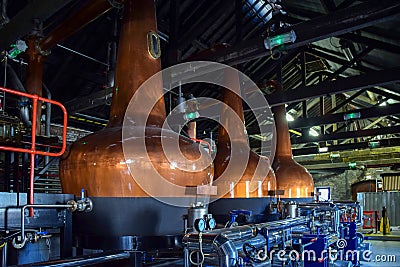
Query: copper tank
[362, 186]
[96, 162]
[257, 178]
[291, 177]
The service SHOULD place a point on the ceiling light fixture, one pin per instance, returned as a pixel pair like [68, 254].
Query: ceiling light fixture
[313, 132]
[289, 117]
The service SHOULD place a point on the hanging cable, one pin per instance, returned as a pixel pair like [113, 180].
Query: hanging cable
[200, 251]
[3, 104]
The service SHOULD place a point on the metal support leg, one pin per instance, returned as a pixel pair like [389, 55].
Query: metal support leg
[4, 255]
[66, 236]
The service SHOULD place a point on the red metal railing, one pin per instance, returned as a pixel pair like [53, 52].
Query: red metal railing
[32, 151]
[203, 142]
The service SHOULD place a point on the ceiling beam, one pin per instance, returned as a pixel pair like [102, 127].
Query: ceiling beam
[351, 36]
[202, 21]
[343, 147]
[88, 102]
[366, 113]
[74, 22]
[335, 59]
[371, 42]
[333, 24]
[350, 63]
[345, 135]
[385, 93]
[22, 23]
[367, 80]
[328, 5]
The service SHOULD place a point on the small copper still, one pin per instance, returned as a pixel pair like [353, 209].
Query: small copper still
[257, 176]
[362, 186]
[96, 162]
[291, 177]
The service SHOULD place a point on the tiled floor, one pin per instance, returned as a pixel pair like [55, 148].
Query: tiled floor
[382, 253]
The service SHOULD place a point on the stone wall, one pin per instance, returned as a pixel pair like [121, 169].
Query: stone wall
[340, 183]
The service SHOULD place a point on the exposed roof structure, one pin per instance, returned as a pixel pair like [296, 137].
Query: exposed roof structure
[341, 75]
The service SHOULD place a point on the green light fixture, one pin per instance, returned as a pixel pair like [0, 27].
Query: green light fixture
[17, 48]
[277, 40]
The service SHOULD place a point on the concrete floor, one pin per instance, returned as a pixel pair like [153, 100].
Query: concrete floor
[382, 250]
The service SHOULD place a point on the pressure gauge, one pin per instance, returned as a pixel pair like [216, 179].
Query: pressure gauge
[200, 225]
[211, 223]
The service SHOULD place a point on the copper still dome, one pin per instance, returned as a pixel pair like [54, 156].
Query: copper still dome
[291, 177]
[96, 162]
[240, 180]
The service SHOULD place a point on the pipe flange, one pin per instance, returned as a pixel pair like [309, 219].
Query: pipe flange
[40, 51]
[89, 205]
[17, 243]
[73, 205]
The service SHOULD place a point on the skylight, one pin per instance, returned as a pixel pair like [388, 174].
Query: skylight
[263, 8]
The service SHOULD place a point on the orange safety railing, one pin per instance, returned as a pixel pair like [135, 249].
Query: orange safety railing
[32, 151]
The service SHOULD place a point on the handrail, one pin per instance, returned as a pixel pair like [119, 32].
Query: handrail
[32, 151]
[200, 141]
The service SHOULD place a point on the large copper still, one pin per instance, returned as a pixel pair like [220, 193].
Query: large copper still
[96, 162]
[291, 177]
[257, 178]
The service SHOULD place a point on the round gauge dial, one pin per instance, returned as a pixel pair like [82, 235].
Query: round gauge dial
[200, 225]
[211, 223]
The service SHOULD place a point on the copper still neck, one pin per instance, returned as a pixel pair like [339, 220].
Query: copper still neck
[284, 146]
[257, 177]
[291, 177]
[233, 102]
[138, 25]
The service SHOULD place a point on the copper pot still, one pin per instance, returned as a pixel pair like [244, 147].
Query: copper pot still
[257, 178]
[291, 177]
[96, 163]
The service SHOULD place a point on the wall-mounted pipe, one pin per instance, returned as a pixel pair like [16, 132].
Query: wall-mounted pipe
[112, 55]
[16, 83]
[3, 18]
[48, 111]
[34, 76]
